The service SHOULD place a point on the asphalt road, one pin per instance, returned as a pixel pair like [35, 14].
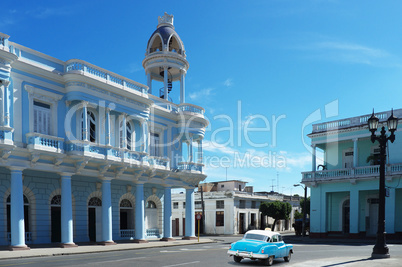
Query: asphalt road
[210, 255]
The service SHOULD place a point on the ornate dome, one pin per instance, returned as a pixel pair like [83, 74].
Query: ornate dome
[165, 38]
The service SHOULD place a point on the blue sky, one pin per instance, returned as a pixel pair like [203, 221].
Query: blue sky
[271, 58]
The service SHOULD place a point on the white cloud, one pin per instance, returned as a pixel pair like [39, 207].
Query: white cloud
[228, 82]
[204, 93]
[45, 12]
[349, 53]
[133, 67]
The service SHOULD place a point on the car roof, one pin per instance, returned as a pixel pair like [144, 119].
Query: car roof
[262, 232]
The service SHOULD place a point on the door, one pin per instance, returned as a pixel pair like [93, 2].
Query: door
[241, 223]
[346, 216]
[92, 224]
[184, 226]
[123, 219]
[373, 217]
[56, 224]
[347, 160]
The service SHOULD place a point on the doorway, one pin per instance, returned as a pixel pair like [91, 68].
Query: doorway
[241, 223]
[346, 216]
[56, 224]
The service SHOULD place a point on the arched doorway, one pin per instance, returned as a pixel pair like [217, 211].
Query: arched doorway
[94, 219]
[55, 214]
[126, 219]
[28, 236]
[346, 216]
[151, 219]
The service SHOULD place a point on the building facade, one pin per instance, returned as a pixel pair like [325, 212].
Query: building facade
[89, 155]
[230, 207]
[344, 189]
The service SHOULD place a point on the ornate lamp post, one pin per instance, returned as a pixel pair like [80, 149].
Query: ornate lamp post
[304, 209]
[380, 249]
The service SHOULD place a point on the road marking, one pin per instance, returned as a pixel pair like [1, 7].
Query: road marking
[136, 258]
[181, 264]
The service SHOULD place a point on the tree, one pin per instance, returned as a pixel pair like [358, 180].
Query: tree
[307, 206]
[276, 210]
[298, 215]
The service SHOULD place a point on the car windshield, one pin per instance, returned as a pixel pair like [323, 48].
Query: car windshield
[256, 237]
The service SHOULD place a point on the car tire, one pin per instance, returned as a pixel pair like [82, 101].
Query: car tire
[287, 258]
[269, 261]
[237, 258]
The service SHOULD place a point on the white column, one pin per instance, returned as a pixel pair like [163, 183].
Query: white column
[17, 211]
[354, 211]
[182, 87]
[139, 214]
[107, 238]
[313, 159]
[6, 103]
[355, 154]
[165, 82]
[107, 126]
[167, 215]
[200, 151]
[190, 214]
[85, 120]
[66, 212]
[124, 133]
[149, 82]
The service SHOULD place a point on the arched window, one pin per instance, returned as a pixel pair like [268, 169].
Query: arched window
[95, 201]
[91, 124]
[151, 205]
[56, 200]
[125, 203]
[156, 45]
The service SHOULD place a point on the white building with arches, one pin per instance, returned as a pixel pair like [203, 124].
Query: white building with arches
[87, 155]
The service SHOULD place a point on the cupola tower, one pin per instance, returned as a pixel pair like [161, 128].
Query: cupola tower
[165, 60]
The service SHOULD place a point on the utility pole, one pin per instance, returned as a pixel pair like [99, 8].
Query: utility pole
[203, 210]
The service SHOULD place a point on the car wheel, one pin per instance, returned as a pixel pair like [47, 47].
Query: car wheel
[269, 261]
[287, 259]
[237, 258]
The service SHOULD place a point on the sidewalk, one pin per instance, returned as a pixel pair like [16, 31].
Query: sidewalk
[46, 250]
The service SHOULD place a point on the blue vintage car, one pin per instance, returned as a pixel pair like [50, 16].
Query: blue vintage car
[261, 245]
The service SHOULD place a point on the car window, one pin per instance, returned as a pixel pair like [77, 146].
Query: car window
[255, 237]
[275, 238]
[279, 238]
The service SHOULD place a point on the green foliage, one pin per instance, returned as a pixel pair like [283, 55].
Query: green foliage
[298, 215]
[307, 205]
[277, 210]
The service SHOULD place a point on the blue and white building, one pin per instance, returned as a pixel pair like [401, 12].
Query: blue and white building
[344, 189]
[89, 155]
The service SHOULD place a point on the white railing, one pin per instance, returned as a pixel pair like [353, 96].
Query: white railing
[80, 66]
[191, 108]
[127, 233]
[153, 232]
[190, 166]
[352, 173]
[159, 162]
[45, 142]
[354, 121]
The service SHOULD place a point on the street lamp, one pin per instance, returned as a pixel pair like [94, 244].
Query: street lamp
[380, 249]
[304, 209]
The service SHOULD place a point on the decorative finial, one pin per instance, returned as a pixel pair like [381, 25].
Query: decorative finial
[166, 20]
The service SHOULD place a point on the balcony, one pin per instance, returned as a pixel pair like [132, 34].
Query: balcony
[46, 143]
[351, 173]
[192, 109]
[76, 66]
[353, 122]
[159, 162]
[190, 166]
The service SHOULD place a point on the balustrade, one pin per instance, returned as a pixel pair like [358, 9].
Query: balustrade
[45, 142]
[354, 173]
[152, 232]
[87, 68]
[127, 234]
[190, 166]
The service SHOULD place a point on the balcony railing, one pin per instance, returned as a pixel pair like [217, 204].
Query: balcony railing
[152, 232]
[159, 162]
[38, 141]
[352, 173]
[191, 108]
[190, 166]
[127, 234]
[353, 122]
[80, 66]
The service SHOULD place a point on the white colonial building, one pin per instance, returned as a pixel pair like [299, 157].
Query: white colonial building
[89, 155]
[230, 207]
